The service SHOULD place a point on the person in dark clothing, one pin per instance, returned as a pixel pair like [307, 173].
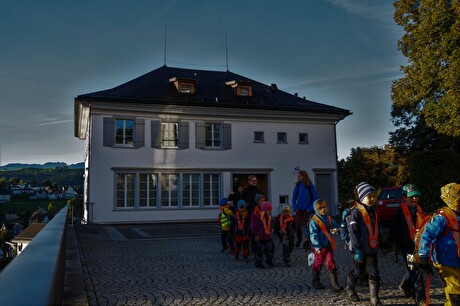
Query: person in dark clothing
[365, 238]
[284, 229]
[402, 232]
[235, 196]
[249, 194]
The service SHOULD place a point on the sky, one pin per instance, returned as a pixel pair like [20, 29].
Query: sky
[337, 52]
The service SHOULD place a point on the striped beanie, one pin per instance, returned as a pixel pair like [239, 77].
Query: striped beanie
[363, 189]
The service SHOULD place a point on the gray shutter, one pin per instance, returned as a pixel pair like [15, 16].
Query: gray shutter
[140, 132]
[183, 135]
[227, 145]
[109, 132]
[200, 135]
[155, 131]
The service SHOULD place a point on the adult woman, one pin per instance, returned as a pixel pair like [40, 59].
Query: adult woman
[303, 197]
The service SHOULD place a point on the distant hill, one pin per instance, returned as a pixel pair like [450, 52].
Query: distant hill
[50, 165]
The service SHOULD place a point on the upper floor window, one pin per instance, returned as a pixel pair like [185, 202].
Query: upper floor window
[259, 136]
[123, 132]
[303, 138]
[213, 135]
[170, 134]
[282, 137]
[242, 88]
[184, 85]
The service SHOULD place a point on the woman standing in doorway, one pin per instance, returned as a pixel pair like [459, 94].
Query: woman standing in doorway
[303, 197]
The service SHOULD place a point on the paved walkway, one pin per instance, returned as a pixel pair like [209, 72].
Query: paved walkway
[181, 264]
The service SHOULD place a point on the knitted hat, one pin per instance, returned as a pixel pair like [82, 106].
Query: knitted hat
[363, 189]
[258, 197]
[223, 201]
[285, 209]
[241, 204]
[266, 206]
[450, 194]
[410, 190]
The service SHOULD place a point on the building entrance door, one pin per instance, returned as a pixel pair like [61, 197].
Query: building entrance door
[242, 179]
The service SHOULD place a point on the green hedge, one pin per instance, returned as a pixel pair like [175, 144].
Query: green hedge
[430, 170]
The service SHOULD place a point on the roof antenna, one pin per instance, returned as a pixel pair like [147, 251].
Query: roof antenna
[164, 60]
[226, 50]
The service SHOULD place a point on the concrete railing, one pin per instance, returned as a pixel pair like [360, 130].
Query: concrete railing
[36, 276]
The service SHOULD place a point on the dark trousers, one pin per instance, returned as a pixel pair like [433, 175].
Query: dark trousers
[413, 281]
[370, 262]
[267, 248]
[301, 219]
[226, 240]
[288, 247]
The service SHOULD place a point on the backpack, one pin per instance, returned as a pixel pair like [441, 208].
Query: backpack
[344, 234]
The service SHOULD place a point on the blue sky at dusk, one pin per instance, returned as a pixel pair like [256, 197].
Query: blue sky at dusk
[337, 52]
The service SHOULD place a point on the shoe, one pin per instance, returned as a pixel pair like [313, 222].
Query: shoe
[407, 291]
[298, 242]
[270, 264]
[237, 256]
[260, 266]
[224, 249]
[287, 264]
[246, 259]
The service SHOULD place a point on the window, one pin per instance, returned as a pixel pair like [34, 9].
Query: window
[124, 131]
[190, 189]
[243, 91]
[282, 137]
[169, 134]
[211, 189]
[241, 88]
[169, 190]
[303, 138]
[147, 190]
[259, 137]
[125, 190]
[213, 135]
[184, 85]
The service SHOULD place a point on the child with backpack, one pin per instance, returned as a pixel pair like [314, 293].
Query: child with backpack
[404, 225]
[241, 230]
[284, 229]
[225, 220]
[322, 226]
[365, 237]
[442, 236]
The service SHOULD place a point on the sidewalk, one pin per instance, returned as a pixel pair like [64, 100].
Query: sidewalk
[181, 264]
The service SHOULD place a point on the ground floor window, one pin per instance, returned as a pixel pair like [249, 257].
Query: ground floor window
[167, 190]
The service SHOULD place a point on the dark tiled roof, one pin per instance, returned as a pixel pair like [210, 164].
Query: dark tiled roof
[155, 88]
[30, 232]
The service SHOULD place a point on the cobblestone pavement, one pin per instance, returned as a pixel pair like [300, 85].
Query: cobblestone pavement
[181, 264]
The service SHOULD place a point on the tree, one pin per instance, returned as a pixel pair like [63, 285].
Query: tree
[381, 167]
[429, 92]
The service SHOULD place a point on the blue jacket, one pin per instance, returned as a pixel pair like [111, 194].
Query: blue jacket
[301, 197]
[444, 245]
[359, 237]
[317, 238]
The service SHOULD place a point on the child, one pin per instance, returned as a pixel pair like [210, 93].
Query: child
[225, 220]
[284, 228]
[259, 198]
[262, 227]
[365, 237]
[241, 230]
[321, 227]
[442, 235]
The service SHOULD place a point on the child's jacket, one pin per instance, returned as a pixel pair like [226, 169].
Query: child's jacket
[317, 237]
[225, 218]
[262, 226]
[241, 223]
[358, 228]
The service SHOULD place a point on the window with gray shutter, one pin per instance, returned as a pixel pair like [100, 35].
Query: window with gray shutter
[184, 135]
[200, 135]
[227, 144]
[140, 131]
[155, 127]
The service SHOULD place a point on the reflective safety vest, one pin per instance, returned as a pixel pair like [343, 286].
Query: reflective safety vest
[408, 217]
[224, 220]
[323, 228]
[266, 220]
[284, 221]
[452, 225]
[372, 232]
[241, 219]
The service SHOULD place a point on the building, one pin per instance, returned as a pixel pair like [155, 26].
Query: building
[169, 144]
[25, 237]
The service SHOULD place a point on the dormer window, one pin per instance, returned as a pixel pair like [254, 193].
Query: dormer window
[242, 88]
[184, 85]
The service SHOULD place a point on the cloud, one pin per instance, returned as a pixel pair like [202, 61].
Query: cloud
[367, 9]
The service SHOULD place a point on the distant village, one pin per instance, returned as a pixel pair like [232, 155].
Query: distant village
[16, 232]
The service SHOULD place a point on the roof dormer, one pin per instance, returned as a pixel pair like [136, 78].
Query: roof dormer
[184, 85]
[242, 88]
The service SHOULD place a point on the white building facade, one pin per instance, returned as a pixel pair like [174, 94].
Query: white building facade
[168, 145]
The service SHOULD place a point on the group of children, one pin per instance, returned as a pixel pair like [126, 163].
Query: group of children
[363, 237]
